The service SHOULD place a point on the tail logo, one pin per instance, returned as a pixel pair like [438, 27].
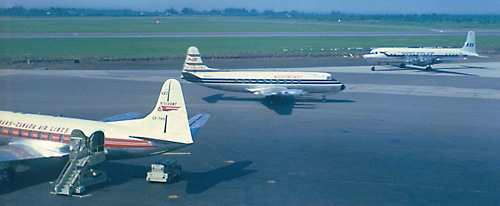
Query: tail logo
[168, 106]
[193, 59]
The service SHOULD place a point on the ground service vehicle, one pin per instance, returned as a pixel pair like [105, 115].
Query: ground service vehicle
[165, 171]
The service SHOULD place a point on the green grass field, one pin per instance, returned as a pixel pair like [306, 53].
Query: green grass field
[80, 47]
[178, 46]
[176, 25]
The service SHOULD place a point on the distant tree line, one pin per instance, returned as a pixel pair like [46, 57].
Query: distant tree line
[333, 16]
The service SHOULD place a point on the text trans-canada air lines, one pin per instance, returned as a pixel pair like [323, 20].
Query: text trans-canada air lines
[265, 83]
[30, 136]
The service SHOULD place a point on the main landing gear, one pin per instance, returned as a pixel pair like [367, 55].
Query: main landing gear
[7, 171]
[428, 68]
[8, 174]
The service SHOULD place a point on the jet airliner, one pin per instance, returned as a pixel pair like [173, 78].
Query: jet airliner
[422, 56]
[166, 128]
[265, 83]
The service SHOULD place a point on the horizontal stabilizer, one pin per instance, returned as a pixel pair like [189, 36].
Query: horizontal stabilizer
[122, 117]
[197, 122]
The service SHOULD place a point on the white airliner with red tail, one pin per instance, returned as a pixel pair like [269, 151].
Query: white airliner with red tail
[423, 56]
[265, 83]
[166, 128]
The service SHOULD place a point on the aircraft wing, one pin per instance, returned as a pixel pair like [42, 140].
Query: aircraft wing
[122, 117]
[197, 122]
[16, 151]
[450, 59]
[277, 91]
[269, 91]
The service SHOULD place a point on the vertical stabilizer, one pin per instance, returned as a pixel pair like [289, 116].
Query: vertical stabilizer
[193, 61]
[470, 43]
[168, 121]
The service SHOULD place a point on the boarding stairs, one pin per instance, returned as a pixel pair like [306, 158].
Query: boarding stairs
[84, 153]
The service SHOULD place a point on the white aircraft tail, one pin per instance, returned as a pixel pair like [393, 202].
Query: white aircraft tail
[193, 61]
[168, 121]
[470, 43]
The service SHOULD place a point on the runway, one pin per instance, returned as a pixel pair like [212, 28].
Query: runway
[393, 137]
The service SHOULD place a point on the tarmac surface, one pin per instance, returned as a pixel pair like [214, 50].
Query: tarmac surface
[393, 137]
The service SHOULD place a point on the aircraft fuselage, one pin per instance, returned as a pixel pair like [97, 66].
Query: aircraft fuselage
[246, 81]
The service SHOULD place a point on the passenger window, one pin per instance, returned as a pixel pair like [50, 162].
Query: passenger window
[39, 135]
[11, 131]
[20, 133]
[1, 130]
[61, 138]
[49, 137]
[30, 135]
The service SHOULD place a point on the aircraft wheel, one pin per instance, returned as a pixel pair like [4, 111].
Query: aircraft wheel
[373, 68]
[428, 68]
[8, 175]
[5, 175]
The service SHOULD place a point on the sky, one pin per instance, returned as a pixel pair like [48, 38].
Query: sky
[319, 6]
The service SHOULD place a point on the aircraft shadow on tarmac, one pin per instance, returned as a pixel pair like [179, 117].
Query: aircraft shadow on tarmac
[34, 172]
[200, 182]
[197, 182]
[437, 71]
[47, 170]
[280, 105]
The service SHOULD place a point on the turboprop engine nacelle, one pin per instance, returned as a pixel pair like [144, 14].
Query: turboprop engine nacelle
[292, 92]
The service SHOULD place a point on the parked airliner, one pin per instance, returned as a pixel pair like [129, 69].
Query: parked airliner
[265, 83]
[422, 56]
[166, 128]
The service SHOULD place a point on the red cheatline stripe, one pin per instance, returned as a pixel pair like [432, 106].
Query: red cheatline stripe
[125, 140]
[109, 142]
[128, 146]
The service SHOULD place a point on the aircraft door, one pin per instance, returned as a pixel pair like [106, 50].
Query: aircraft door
[96, 141]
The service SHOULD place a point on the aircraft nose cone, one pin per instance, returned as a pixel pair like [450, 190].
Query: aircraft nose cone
[342, 87]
